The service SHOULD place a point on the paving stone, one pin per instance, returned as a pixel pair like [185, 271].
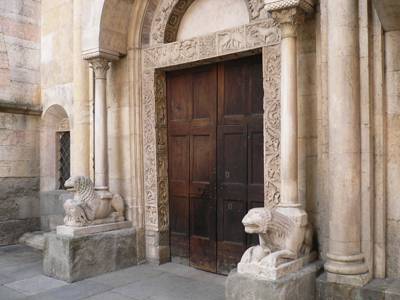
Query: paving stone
[168, 286]
[35, 285]
[109, 296]
[10, 294]
[22, 271]
[129, 275]
[5, 279]
[74, 291]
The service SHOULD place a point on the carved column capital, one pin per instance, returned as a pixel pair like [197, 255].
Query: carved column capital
[289, 14]
[100, 67]
[289, 19]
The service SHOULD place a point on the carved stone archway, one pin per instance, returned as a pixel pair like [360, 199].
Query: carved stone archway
[169, 13]
[259, 35]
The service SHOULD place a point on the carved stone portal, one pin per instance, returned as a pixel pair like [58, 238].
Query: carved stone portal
[89, 207]
[285, 242]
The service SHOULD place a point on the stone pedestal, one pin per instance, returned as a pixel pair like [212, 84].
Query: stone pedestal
[376, 289]
[72, 259]
[294, 286]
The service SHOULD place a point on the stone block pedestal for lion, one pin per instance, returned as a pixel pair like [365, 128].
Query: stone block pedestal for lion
[72, 258]
[95, 237]
[298, 285]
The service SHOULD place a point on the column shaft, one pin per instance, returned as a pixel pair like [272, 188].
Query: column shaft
[100, 67]
[344, 255]
[289, 147]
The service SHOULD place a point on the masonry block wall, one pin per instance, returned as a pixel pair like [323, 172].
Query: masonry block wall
[19, 132]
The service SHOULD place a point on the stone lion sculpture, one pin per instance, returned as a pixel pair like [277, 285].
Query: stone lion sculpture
[282, 238]
[90, 208]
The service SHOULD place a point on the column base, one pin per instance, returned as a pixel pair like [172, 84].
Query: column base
[353, 280]
[350, 269]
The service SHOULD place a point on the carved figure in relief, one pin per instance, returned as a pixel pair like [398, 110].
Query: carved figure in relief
[281, 238]
[88, 207]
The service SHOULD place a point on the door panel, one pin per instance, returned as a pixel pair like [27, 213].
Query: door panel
[216, 173]
[240, 155]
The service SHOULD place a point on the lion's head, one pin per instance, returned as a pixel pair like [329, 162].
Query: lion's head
[257, 220]
[78, 183]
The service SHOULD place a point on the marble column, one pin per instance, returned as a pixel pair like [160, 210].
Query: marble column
[100, 66]
[289, 20]
[345, 259]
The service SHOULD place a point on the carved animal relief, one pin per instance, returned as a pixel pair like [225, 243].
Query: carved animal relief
[283, 238]
[88, 207]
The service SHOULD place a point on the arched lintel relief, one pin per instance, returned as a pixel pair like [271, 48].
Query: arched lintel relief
[169, 13]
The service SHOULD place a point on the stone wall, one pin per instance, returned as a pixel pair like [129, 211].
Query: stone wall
[392, 40]
[19, 147]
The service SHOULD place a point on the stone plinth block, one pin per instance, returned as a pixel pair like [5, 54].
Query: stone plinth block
[299, 285]
[75, 258]
[86, 230]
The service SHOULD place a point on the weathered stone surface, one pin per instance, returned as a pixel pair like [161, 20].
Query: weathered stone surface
[51, 209]
[12, 230]
[295, 286]
[378, 289]
[73, 259]
[91, 229]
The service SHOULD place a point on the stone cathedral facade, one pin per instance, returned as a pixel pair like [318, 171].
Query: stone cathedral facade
[196, 112]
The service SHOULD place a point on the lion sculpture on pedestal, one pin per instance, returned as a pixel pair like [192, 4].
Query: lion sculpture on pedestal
[282, 238]
[88, 207]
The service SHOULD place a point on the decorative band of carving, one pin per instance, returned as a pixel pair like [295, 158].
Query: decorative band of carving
[169, 14]
[272, 121]
[247, 37]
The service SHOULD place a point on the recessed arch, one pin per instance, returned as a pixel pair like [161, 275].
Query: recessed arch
[166, 16]
[54, 121]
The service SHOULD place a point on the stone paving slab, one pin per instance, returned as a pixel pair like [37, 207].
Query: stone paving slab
[35, 285]
[144, 282]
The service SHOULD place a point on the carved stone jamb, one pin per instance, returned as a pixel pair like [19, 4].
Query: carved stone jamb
[262, 34]
[288, 249]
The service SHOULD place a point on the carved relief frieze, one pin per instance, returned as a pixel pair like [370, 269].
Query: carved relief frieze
[169, 14]
[255, 8]
[263, 33]
[272, 118]
[207, 46]
[181, 52]
[232, 40]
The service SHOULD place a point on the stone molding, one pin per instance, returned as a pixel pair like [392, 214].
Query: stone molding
[20, 108]
[264, 35]
[169, 13]
[306, 5]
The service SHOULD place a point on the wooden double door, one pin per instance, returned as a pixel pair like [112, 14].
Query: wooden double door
[215, 144]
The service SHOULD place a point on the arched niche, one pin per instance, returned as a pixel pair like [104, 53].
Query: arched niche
[54, 121]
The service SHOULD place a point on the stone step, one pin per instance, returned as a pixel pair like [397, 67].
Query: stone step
[33, 239]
